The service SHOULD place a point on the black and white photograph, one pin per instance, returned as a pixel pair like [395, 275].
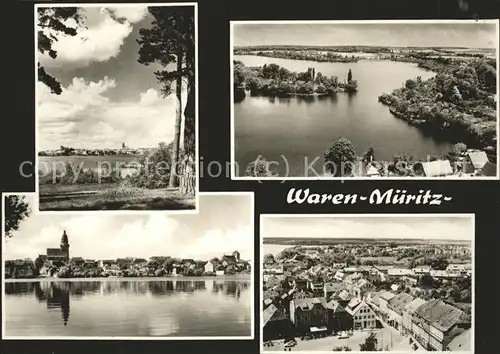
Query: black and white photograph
[116, 107]
[364, 99]
[116, 276]
[367, 282]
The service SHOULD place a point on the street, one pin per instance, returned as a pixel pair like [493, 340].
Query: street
[388, 339]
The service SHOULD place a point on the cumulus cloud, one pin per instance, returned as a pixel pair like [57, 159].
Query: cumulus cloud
[99, 40]
[84, 117]
[104, 236]
[217, 241]
[132, 14]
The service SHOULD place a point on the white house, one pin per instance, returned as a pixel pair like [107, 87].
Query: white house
[362, 315]
[209, 267]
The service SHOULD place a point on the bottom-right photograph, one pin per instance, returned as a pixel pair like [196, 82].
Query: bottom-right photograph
[367, 282]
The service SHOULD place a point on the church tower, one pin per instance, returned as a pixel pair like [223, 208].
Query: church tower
[65, 245]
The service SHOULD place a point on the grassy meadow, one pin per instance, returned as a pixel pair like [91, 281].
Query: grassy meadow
[109, 193]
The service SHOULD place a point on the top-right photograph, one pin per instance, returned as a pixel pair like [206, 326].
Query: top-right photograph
[364, 100]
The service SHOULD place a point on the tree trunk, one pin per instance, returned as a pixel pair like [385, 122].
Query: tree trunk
[188, 181]
[178, 119]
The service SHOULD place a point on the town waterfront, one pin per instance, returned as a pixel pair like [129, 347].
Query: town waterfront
[132, 307]
[302, 128]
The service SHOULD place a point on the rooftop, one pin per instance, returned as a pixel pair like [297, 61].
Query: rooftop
[440, 315]
[399, 302]
[272, 314]
[308, 303]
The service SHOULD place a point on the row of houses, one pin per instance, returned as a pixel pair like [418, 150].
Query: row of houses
[26, 268]
[472, 163]
[380, 272]
[349, 301]
[434, 324]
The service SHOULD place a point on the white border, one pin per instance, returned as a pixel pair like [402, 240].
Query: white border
[339, 216]
[252, 284]
[197, 152]
[315, 178]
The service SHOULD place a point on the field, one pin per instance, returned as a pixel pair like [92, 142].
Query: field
[47, 164]
[102, 196]
[111, 197]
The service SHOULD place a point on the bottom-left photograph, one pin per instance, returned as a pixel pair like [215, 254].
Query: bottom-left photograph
[129, 276]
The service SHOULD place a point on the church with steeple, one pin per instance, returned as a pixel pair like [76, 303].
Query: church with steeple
[61, 253]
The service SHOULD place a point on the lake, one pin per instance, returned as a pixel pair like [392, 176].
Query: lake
[300, 129]
[208, 307]
[274, 248]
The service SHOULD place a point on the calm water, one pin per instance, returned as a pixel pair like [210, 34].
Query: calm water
[109, 308]
[302, 128]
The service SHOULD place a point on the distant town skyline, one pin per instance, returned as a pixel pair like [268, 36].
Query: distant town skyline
[108, 96]
[223, 225]
[469, 34]
[369, 227]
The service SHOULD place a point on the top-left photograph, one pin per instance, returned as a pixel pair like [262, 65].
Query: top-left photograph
[117, 107]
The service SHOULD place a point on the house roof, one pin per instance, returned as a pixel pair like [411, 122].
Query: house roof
[358, 304]
[383, 267]
[414, 305]
[399, 271]
[489, 169]
[332, 287]
[375, 297]
[372, 171]
[353, 303]
[55, 252]
[335, 306]
[440, 315]
[437, 168]
[308, 303]
[387, 295]
[422, 269]
[478, 158]
[77, 259]
[344, 295]
[272, 314]
[399, 302]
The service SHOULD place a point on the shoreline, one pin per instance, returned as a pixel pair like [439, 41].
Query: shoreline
[168, 278]
[339, 59]
[473, 126]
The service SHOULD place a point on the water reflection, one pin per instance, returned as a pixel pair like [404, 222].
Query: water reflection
[306, 99]
[328, 98]
[350, 97]
[58, 294]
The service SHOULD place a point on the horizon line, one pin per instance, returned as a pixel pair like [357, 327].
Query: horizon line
[359, 238]
[357, 45]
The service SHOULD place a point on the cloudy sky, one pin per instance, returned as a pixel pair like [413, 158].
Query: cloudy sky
[223, 225]
[108, 97]
[471, 34]
[444, 228]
